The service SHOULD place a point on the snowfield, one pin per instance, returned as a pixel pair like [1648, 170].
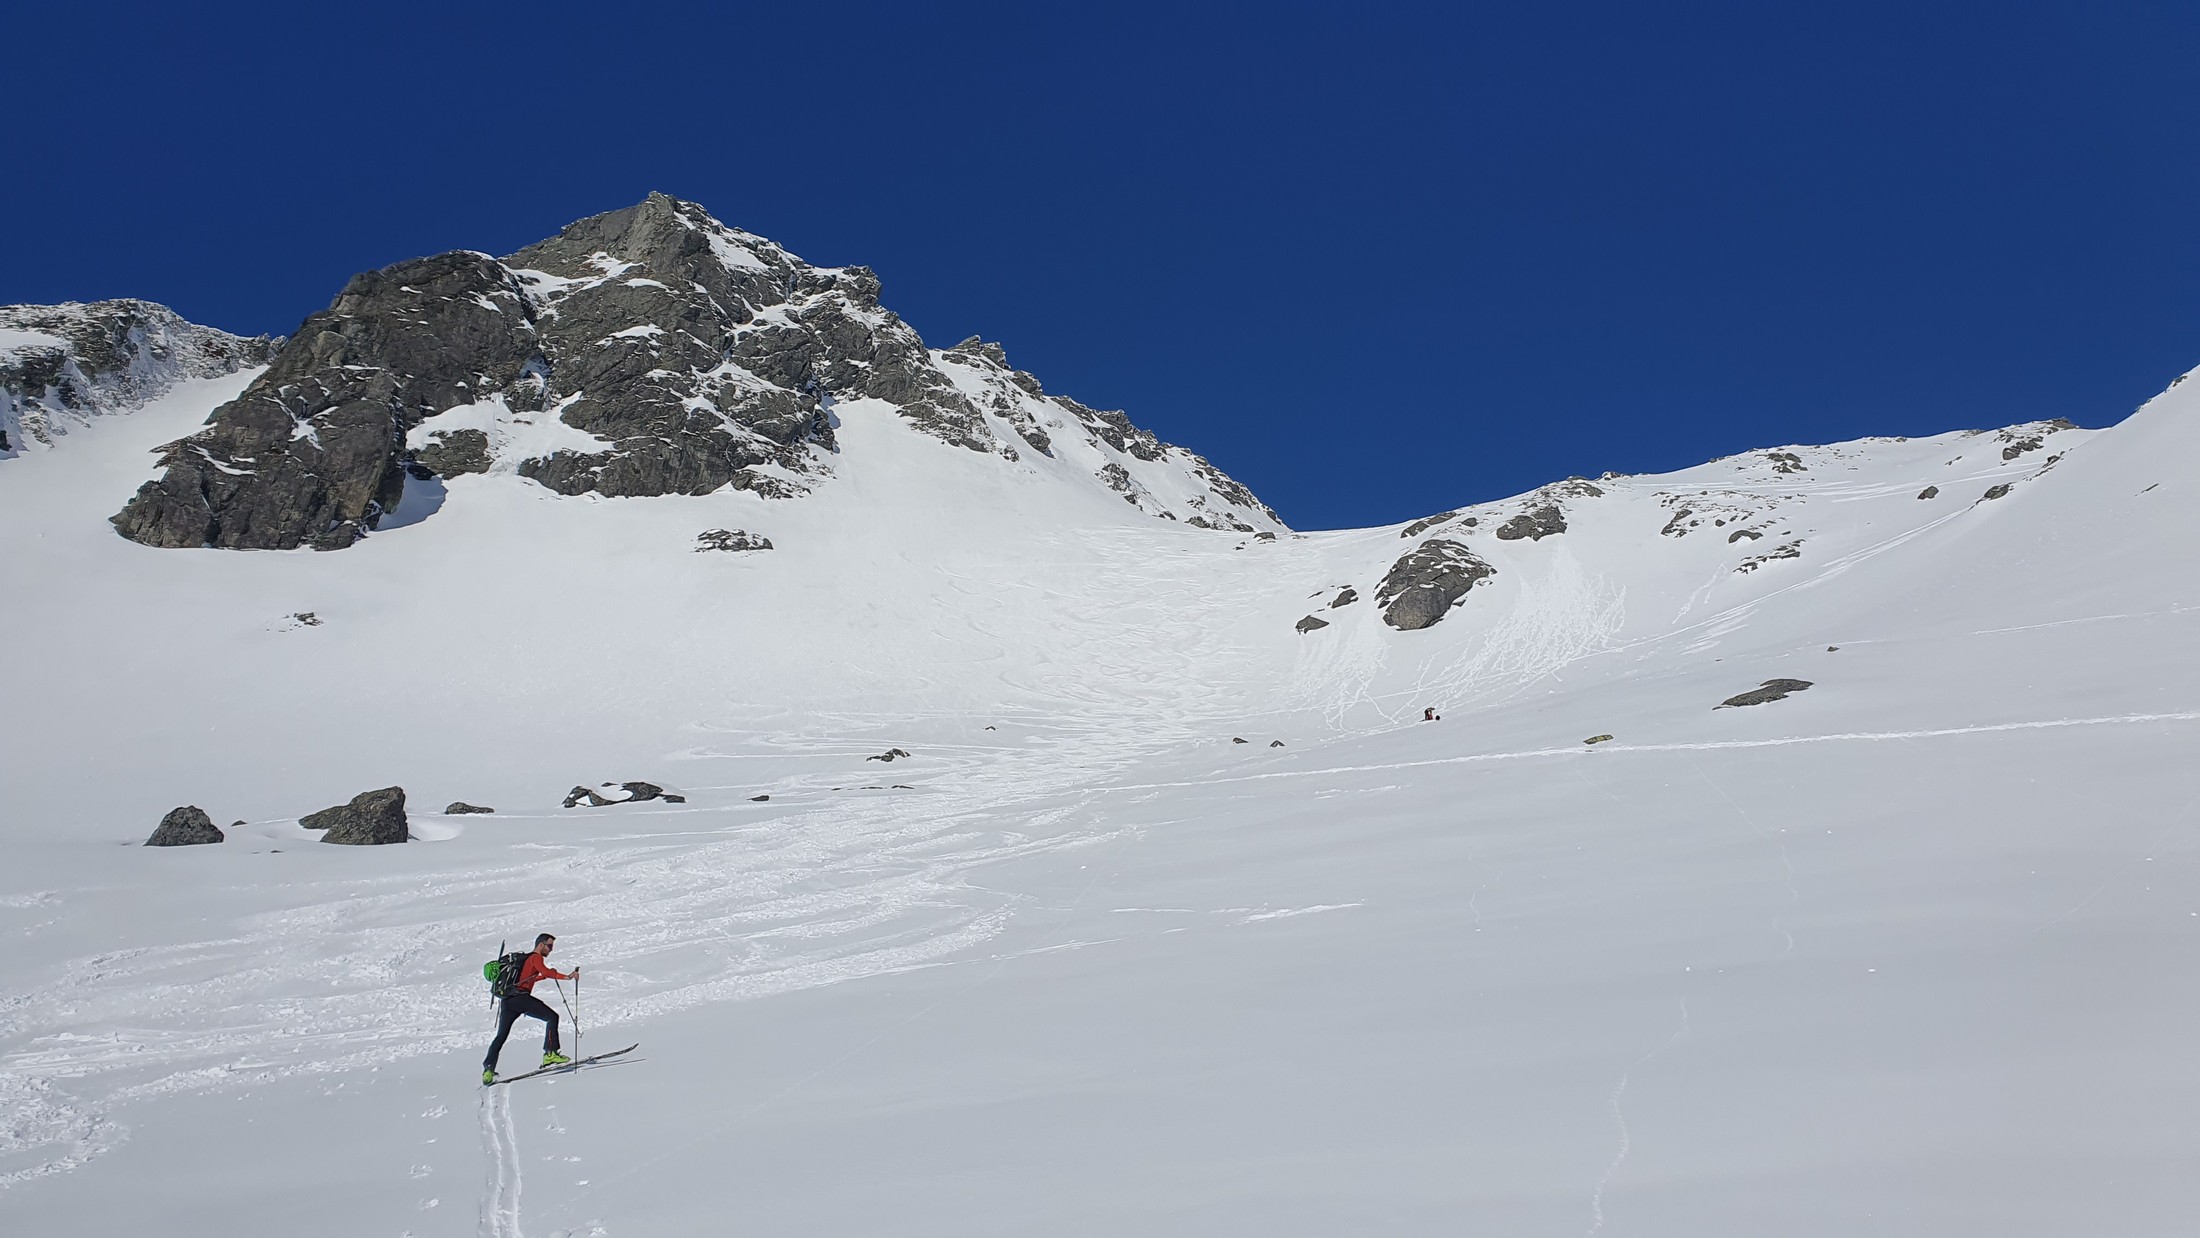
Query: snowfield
[1909, 952]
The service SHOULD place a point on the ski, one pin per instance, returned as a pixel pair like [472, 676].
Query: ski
[573, 1065]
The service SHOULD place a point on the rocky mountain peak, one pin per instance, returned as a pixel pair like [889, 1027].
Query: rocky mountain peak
[62, 365]
[646, 351]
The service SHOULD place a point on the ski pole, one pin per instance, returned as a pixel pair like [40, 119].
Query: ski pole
[569, 1012]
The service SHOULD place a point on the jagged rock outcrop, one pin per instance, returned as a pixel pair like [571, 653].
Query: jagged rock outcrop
[1534, 525]
[460, 808]
[371, 819]
[1426, 582]
[1310, 624]
[62, 365]
[1425, 523]
[188, 826]
[646, 351]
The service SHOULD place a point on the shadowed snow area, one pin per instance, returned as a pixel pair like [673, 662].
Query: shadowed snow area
[1908, 952]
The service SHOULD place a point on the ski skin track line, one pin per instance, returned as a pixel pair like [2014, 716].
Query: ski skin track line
[568, 1067]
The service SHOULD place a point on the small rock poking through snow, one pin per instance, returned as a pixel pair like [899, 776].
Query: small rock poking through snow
[731, 539]
[1770, 690]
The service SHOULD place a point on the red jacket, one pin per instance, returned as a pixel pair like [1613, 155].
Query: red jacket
[535, 969]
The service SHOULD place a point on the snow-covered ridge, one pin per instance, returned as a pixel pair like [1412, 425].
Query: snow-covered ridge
[645, 352]
[62, 365]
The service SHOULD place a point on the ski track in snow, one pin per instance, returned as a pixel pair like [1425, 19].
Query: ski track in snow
[1703, 746]
[501, 1160]
[856, 885]
[1619, 1120]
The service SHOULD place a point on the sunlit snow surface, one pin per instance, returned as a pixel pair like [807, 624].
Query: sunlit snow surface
[1910, 952]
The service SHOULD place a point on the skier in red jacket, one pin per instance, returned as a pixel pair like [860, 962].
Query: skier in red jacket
[520, 1001]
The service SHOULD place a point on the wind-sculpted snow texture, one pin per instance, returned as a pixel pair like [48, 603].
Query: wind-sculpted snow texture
[1885, 956]
[62, 365]
[645, 352]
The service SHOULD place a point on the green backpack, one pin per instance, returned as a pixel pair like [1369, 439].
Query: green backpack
[502, 973]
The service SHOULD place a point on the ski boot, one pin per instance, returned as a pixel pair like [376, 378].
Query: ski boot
[488, 1075]
[551, 1057]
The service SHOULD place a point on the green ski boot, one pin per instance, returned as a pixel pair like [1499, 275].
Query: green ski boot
[488, 1075]
[554, 1058]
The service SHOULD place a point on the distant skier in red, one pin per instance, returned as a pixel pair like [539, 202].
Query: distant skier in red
[1430, 715]
[513, 986]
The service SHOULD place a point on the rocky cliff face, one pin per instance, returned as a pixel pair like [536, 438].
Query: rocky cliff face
[648, 351]
[62, 365]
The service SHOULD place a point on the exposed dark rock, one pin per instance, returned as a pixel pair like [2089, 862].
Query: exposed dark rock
[1346, 597]
[758, 799]
[1785, 462]
[371, 819]
[1275, 743]
[1995, 492]
[670, 798]
[1597, 739]
[582, 795]
[1310, 623]
[1535, 526]
[1771, 690]
[1929, 492]
[639, 791]
[460, 808]
[887, 755]
[454, 453]
[1424, 584]
[1786, 550]
[731, 539]
[1239, 739]
[310, 454]
[1677, 526]
[1423, 525]
[686, 356]
[187, 826]
[1739, 534]
[76, 361]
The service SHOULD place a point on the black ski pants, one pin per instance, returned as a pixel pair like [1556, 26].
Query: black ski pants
[514, 1006]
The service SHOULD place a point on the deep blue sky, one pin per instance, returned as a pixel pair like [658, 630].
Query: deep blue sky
[1375, 261]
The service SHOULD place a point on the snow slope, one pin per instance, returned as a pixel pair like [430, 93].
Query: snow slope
[1902, 953]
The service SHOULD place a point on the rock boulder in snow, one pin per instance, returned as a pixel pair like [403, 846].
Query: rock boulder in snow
[1770, 690]
[1310, 624]
[1425, 583]
[187, 826]
[371, 819]
[631, 793]
[460, 808]
[731, 539]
